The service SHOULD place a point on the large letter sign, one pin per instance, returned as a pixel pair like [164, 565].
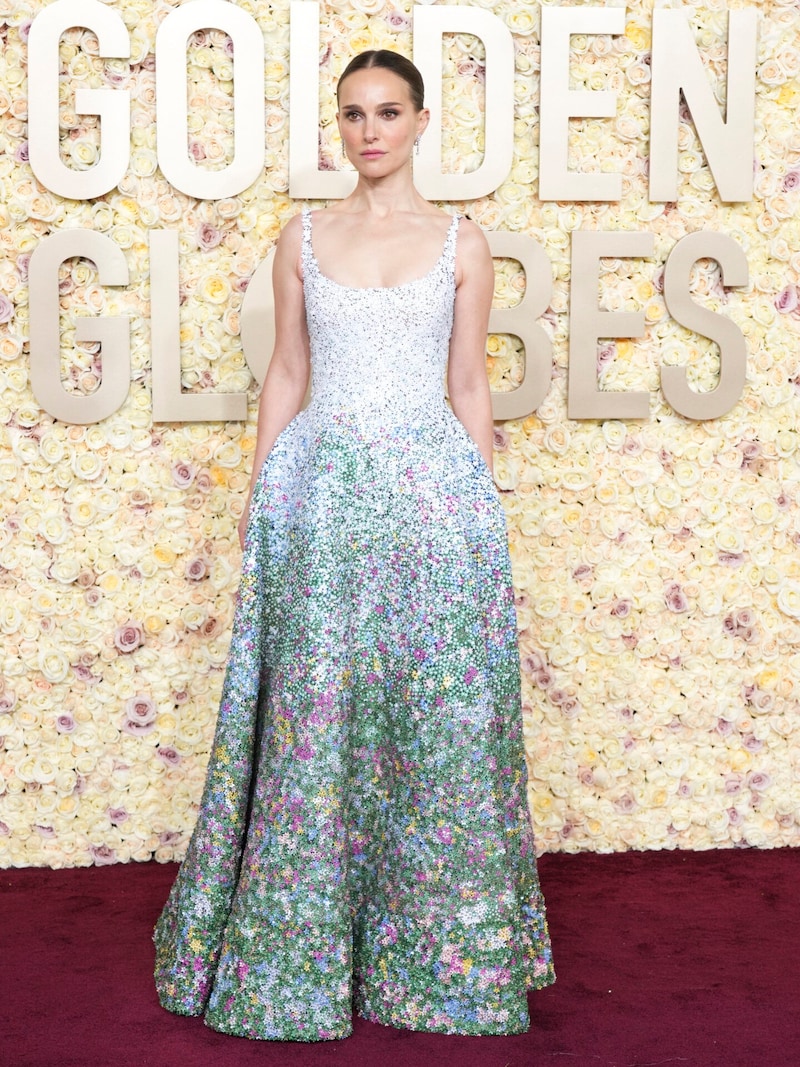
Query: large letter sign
[112, 105]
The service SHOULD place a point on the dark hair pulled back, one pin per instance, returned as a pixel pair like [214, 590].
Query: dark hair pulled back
[387, 60]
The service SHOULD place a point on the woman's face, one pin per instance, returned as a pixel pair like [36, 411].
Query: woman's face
[378, 121]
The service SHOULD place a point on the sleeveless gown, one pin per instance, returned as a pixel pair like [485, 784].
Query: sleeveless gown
[363, 839]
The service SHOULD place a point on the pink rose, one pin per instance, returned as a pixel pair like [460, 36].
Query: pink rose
[751, 451]
[731, 559]
[605, 354]
[129, 636]
[675, 599]
[532, 663]
[212, 627]
[787, 299]
[65, 724]
[398, 20]
[169, 756]
[570, 708]
[196, 569]
[183, 474]
[544, 678]
[208, 236]
[8, 701]
[103, 855]
[140, 716]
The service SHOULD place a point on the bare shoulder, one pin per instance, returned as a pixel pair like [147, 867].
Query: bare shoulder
[292, 233]
[471, 237]
[472, 251]
[289, 246]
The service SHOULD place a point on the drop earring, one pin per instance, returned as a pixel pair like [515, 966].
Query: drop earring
[416, 145]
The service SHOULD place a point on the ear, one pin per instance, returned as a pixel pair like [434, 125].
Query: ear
[423, 118]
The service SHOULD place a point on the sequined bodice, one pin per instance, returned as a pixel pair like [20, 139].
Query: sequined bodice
[379, 354]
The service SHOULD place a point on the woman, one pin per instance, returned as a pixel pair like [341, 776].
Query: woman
[363, 838]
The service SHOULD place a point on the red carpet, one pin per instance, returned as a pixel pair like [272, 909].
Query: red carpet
[685, 959]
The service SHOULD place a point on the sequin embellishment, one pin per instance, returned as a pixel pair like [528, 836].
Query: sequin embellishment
[363, 840]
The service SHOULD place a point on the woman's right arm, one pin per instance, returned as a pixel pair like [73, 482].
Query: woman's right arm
[287, 377]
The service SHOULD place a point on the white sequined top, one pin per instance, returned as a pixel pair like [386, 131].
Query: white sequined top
[379, 354]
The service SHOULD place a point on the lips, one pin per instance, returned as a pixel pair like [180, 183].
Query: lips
[372, 155]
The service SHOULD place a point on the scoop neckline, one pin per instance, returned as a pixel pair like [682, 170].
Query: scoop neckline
[377, 288]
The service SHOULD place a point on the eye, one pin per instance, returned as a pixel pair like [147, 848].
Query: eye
[390, 113]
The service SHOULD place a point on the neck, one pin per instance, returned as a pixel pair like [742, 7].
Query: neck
[386, 196]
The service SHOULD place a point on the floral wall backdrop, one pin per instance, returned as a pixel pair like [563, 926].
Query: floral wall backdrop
[657, 563]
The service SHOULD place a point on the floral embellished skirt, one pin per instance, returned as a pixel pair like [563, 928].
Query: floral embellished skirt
[363, 840]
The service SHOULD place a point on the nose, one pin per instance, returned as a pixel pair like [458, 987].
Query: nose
[370, 132]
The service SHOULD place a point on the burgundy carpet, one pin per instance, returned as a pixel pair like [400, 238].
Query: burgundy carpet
[663, 958]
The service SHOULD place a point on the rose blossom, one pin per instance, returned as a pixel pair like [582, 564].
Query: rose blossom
[398, 20]
[211, 628]
[140, 716]
[731, 559]
[208, 236]
[129, 636]
[675, 598]
[183, 474]
[103, 855]
[65, 723]
[196, 569]
[8, 701]
[544, 678]
[787, 300]
[169, 756]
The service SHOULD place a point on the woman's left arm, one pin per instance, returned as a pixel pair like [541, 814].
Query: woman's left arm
[467, 383]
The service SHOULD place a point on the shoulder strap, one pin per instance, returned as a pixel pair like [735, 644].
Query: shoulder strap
[306, 248]
[450, 242]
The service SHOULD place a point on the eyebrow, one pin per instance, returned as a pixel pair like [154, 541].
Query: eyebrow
[388, 103]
